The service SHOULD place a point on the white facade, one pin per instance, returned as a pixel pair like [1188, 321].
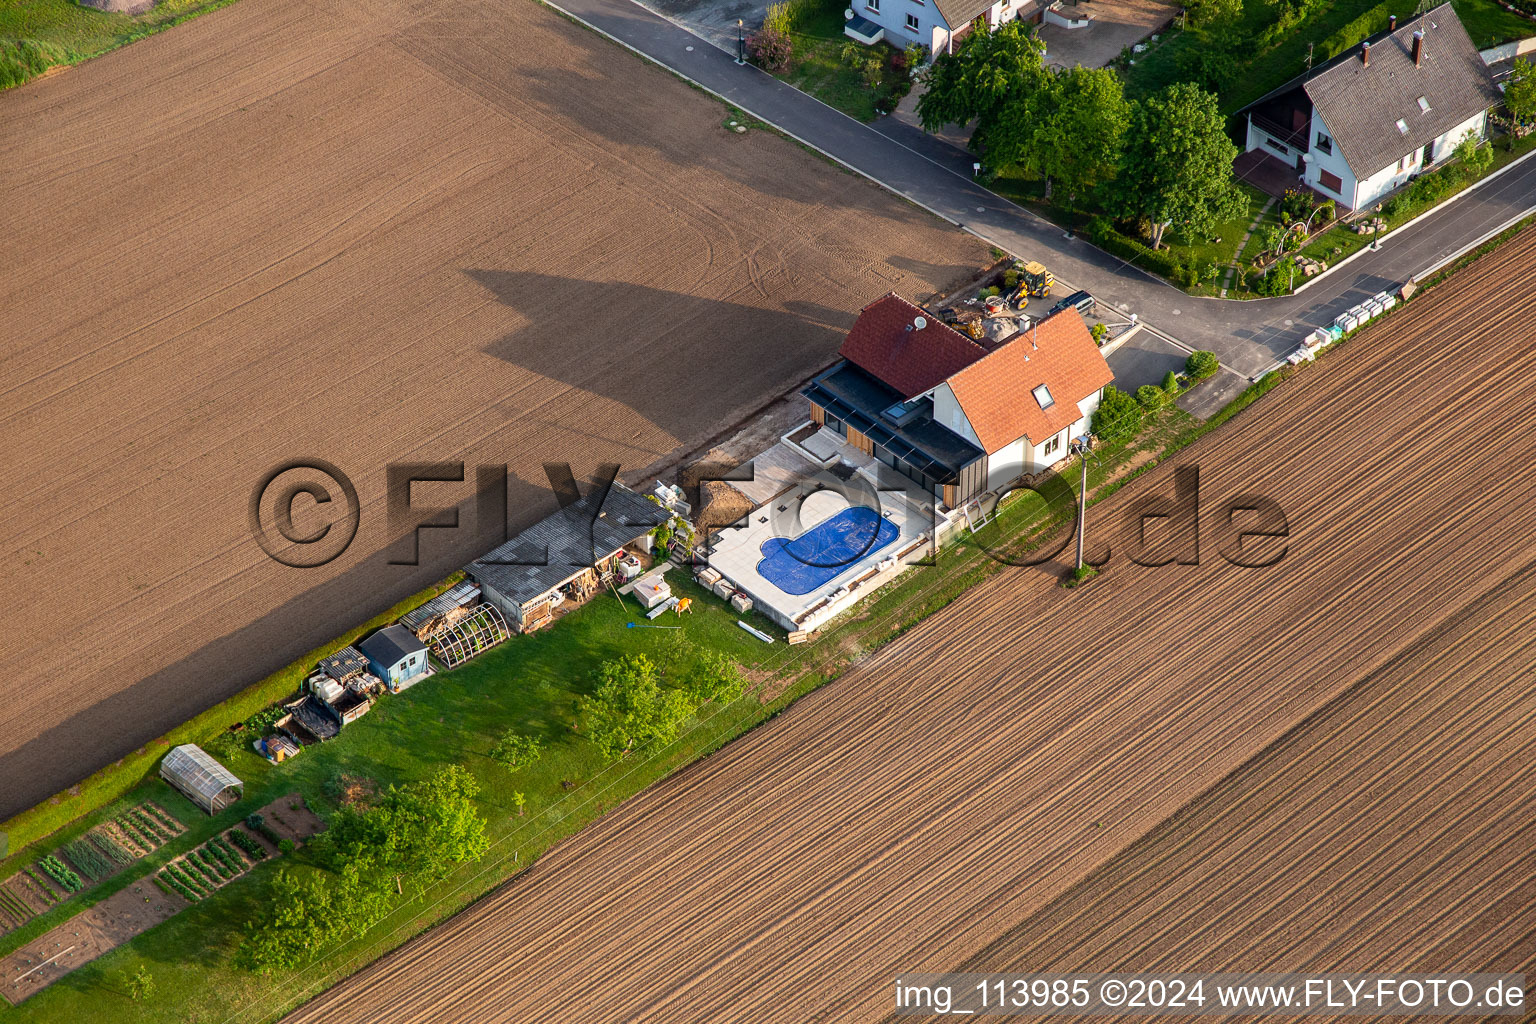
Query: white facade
[919, 21]
[1327, 171]
[1396, 175]
[947, 412]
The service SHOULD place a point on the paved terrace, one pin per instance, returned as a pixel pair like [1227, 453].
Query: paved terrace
[1248, 336]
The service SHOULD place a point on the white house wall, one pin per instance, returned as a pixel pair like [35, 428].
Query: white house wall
[1392, 177]
[1007, 463]
[947, 413]
[1318, 162]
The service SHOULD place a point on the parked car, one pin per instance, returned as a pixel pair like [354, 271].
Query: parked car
[1080, 301]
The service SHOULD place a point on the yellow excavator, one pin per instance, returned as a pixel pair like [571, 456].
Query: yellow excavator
[1036, 280]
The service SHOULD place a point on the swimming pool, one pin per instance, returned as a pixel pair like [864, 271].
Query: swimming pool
[825, 551]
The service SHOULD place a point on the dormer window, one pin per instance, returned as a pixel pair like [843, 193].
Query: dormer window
[1043, 396]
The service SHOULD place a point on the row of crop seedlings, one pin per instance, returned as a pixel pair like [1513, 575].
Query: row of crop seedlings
[60, 874]
[98, 854]
[148, 826]
[11, 906]
[203, 870]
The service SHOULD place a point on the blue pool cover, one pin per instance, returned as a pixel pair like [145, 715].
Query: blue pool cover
[825, 551]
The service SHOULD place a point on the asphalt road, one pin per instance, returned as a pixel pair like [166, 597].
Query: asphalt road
[1249, 336]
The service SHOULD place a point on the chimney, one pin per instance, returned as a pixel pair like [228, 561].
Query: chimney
[1418, 47]
[1391, 23]
[1365, 53]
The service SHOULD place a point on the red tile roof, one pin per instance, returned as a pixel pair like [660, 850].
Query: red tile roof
[883, 344]
[996, 391]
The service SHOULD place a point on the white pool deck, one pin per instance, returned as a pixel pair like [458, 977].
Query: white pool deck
[804, 499]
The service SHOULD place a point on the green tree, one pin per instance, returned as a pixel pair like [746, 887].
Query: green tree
[1475, 158]
[716, 677]
[1520, 91]
[1118, 417]
[141, 984]
[1070, 130]
[1206, 14]
[629, 709]
[1176, 167]
[988, 73]
[515, 751]
[418, 832]
[299, 919]
[520, 801]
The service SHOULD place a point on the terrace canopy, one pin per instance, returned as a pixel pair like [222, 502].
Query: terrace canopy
[200, 778]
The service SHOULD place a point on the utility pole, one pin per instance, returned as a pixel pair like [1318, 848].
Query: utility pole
[1082, 446]
[1309, 56]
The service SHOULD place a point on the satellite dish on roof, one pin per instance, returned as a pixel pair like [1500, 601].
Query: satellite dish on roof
[848, 14]
[920, 322]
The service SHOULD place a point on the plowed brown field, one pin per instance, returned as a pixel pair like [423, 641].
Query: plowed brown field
[368, 231]
[1347, 734]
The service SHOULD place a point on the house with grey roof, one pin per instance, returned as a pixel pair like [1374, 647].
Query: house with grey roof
[938, 25]
[396, 656]
[1367, 121]
[565, 556]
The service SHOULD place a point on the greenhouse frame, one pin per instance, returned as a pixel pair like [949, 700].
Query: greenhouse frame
[478, 630]
[200, 778]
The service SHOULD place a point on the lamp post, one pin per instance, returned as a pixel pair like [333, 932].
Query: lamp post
[1376, 233]
[741, 42]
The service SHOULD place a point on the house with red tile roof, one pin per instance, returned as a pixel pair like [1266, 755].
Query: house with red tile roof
[956, 415]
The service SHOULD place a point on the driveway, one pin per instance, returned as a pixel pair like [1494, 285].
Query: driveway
[712, 20]
[1114, 25]
[1250, 337]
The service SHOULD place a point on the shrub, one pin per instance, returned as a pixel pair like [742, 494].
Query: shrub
[1099, 333]
[1150, 397]
[285, 846]
[1118, 417]
[770, 49]
[1103, 234]
[1201, 364]
[1171, 384]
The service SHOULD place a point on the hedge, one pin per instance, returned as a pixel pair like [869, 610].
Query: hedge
[115, 781]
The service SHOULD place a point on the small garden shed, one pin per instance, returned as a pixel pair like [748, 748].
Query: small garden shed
[396, 657]
[200, 778]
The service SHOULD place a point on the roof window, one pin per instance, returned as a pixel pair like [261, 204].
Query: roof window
[1402, 126]
[1423, 105]
[1043, 396]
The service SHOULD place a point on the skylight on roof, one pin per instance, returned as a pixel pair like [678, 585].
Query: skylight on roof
[1423, 105]
[1043, 396]
[1402, 126]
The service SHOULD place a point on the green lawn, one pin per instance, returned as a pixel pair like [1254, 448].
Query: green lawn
[1337, 243]
[817, 66]
[1026, 190]
[532, 684]
[36, 34]
[1334, 27]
